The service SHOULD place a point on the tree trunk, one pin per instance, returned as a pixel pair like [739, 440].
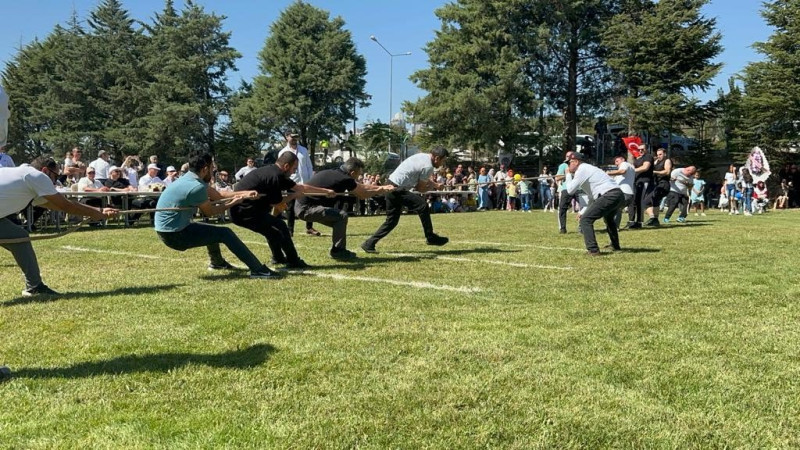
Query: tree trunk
[571, 113]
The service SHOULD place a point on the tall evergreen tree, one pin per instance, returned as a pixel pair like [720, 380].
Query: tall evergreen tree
[771, 104]
[663, 52]
[311, 75]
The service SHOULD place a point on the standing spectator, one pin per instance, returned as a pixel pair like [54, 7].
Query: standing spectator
[730, 189]
[524, 189]
[544, 188]
[304, 172]
[746, 181]
[500, 187]
[250, 166]
[73, 166]
[643, 189]
[130, 168]
[511, 194]
[697, 196]
[101, 165]
[483, 190]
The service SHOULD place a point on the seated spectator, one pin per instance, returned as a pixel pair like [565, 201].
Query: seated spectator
[91, 184]
[172, 175]
[223, 184]
[148, 183]
[782, 200]
[761, 197]
[116, 183]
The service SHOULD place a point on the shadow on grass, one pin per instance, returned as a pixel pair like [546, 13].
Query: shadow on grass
[639, 250]
[245, 358]
[466, 251]
[133, 290]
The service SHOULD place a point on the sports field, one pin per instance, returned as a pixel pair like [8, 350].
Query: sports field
[508, 337]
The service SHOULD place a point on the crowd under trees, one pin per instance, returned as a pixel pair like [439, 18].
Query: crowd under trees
[498, 71]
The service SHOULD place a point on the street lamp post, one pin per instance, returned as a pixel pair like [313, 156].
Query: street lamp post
[391, 69]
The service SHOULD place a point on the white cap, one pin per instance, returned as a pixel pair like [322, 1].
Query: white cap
[4, 115]
[171, 169]
[113, 168]
[153, 166]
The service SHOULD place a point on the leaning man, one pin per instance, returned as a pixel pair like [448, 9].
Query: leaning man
[178, 232]
[323, 210]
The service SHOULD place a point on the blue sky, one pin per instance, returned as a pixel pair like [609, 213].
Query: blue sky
[401, 26]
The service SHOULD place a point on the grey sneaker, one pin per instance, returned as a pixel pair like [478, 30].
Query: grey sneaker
[40, 290]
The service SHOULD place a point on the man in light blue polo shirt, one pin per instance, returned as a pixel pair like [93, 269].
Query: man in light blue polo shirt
[177, 231]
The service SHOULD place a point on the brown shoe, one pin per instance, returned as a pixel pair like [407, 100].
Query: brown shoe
[593, 254]
[313, 232]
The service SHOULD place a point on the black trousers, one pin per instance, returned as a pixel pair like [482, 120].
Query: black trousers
[675, 200]
[395, 201]
[274, 229]
[642, 191]
[564, 204]
[291, 215]
[500, 196]
[660, 191]
[604, 207]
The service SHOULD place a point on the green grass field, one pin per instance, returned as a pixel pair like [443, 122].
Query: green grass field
[509, 336]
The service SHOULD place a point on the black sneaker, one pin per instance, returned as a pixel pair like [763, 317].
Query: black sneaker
[299, 264]
[653, 222]
[342, 253]
[42, 290]
[368, 247]
[265, 273]
[5, 373]
[562, 231]
[435, 239]
[275, 261]
[225, 266]
[611, 247]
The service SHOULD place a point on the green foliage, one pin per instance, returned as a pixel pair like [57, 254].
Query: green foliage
[311, 76]
[771, 102]
[663, 52]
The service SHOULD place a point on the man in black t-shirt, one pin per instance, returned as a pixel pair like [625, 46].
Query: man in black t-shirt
[643, 188]
[261, 214]
[662, 167]
[324, 211]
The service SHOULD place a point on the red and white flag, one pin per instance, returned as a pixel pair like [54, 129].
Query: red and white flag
[634, 145]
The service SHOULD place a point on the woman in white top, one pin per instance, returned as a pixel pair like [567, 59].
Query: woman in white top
[131, 167]
[730, 188]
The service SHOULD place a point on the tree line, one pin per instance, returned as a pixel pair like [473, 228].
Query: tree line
[498, 71]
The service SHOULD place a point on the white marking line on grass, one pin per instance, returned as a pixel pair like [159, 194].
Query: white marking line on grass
[415, 284]
[115, 252]
[490, 261]
[522, 245]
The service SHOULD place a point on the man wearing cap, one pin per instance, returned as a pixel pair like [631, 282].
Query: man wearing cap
[172, 175]
[304, 172]
[260, 214]
[148, 183]
[177, 231]
[605, 198]
[101, 166]
[90, 183]
[324, 210]
[162, 169]
[250, 166]
[413, 173]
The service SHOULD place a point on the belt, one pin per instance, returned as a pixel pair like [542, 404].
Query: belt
[609, 192]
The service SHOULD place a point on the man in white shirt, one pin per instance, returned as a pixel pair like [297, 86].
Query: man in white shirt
[172, 175]
[18, 187]
[249, 167]
[624, 177]
[680, 182]
[606, 198]
[150, 178]
[90, 183]
[500, 187]
[413, 173]
[304, 172]
[101, 165]
[148, 183]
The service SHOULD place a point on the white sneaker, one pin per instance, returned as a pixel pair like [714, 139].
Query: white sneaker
[703, 214]
[746, 213]
[736, 213]
[730, 213]
[697, 215]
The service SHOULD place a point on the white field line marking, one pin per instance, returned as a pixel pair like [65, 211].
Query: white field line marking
[521, 245]
[116, 252]
[490, 261]
[415, 284]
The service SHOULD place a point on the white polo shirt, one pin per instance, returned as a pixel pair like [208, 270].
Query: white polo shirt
[20, 185]
[590, 179]
[101, 168]
[625, 181]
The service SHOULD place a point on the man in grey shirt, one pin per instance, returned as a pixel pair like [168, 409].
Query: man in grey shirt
[413, 173]
[680, 182]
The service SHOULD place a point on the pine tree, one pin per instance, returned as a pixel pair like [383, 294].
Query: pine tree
[311, 75]
[771, 104]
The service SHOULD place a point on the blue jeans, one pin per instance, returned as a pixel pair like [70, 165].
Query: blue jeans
[526, 202]
[748, 199]
[483, 197]
[544, 195]
[210, 236]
